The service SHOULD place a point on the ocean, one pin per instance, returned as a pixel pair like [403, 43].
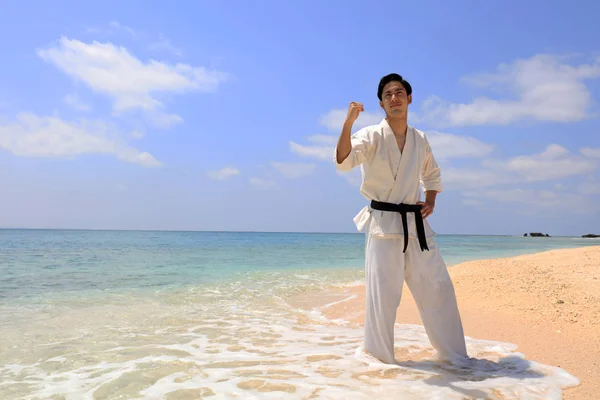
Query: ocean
[187, 315]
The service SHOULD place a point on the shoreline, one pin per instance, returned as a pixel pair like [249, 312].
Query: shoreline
[162, 230]
[546, 303]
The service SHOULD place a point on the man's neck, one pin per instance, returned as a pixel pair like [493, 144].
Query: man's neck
[398, 125]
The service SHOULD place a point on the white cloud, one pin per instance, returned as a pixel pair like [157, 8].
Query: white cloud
[223, 173]
[472, 202]
[476, 177]
[76, 103]
[129, 82]
[157, 45]
[294, 170]
[33, 136]
[261, 183]
[354, 176]
[323, 146]
[590, 152]
[555, 162]
[543, 87]
[324, 153]
[538, 199]
[114, 27]
[447, 145]
[163, 120]
[164, 45]
[591, 187]
[137, 134]
[324, 139]
[321, 150]
[334, 119]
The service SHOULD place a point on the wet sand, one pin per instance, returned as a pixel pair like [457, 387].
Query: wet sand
[547, 303]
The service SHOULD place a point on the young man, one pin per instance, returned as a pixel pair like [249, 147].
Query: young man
[396, 159]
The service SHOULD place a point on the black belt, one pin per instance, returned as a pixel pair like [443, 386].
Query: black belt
[403, 209]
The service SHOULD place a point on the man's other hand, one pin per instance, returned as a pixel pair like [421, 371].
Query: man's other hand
[427, 209]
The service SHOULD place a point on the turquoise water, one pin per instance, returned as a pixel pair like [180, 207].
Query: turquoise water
[184, 315]
[35, 263]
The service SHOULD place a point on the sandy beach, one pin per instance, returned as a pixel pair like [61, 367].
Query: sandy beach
[547, 303]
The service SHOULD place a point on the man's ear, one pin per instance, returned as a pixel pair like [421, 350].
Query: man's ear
[409, 98]
[381, 104]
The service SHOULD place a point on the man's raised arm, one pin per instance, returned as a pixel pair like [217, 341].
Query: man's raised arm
[344, 145]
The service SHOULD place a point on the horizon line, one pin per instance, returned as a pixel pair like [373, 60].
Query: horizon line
[258, 231]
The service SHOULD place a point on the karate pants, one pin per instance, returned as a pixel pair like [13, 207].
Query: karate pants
[426, 275]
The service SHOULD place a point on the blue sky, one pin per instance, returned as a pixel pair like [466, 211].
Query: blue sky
[222, 115]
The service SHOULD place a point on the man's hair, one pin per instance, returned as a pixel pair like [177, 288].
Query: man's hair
[391, 78]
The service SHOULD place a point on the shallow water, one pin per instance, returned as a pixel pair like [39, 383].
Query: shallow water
[233, 342]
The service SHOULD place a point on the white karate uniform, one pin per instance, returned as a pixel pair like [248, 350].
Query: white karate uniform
[394, 177]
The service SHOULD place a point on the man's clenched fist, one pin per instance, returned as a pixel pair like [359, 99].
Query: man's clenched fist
[354, 110]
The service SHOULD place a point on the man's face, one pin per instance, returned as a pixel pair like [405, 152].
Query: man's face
[394, 99]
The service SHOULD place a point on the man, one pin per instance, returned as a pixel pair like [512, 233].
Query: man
[395, 160]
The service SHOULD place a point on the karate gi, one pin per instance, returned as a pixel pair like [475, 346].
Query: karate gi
[394, 177]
